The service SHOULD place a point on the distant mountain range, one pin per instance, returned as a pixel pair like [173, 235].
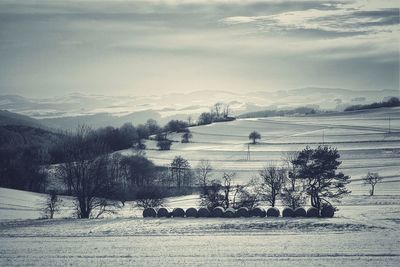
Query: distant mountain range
[96, 110]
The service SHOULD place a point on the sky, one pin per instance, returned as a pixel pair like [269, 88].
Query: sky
[122, 47]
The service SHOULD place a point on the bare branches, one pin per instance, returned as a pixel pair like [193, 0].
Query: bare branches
[52, 205]
[372, 179]
[272, 180]
[203, 172]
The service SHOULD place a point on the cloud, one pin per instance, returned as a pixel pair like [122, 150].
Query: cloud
[339, 22]
[145, 46]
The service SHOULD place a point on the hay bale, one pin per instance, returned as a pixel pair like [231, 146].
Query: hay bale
[230, 213]
[191, 212]
[163, 213]
[178, 212]
[273, 212]
[149, 212]
[218, 212]
[288, 212]
[203, 213]
[300, 212]
[243, 212]
[327, 211]
[312, 212]
[258, 212]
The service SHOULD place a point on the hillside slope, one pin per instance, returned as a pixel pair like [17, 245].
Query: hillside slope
[11, 118]
[362, 139]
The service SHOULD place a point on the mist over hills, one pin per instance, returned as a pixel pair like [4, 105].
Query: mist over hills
[98, 111]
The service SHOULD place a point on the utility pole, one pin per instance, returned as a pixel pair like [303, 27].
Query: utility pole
[389, 124]
[248, 151]
[323, 137]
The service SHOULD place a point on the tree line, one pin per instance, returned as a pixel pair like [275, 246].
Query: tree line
[310, 175]
[391, 102]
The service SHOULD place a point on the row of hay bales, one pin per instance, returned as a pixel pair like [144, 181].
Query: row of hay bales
[220, 212]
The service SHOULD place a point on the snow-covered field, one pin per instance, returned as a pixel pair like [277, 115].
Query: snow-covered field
[362, 139]
[364, 232]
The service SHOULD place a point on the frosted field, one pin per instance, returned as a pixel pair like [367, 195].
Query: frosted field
[362, 139]
[365, 232]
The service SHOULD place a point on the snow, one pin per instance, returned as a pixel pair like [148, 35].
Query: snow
[361, 137]
[364, 232]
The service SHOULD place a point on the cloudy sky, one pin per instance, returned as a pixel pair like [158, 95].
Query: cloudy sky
[123, 47]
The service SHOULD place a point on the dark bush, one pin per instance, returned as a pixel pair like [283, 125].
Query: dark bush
[230, 213]
[288, 212]
[258, 212]
[149, 212]
[178, 212]
[327, 211]
[300, 212]
[163, 212]
[312, 212]
[243, 212]
[203, 213]
[273, 212]
[218, 212]
[191, 212]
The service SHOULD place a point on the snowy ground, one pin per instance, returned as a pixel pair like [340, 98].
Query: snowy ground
[364, 232]
[361, 137]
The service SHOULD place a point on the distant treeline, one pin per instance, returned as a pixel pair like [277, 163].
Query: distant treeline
[273, 113]
[219, 113]
[392, 102]
[26, 151]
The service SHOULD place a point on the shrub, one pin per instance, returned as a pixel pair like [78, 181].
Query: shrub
[178, 212]
[230, 213]
[300, 212]
[288, 212]
[273, 212]
[327, 211]
[258, 212]
[312, 212]
[203, 213]
[149, 197]
[164, 144]
[243, 212]
[149, 212]
[191, 212]
[163, 212]
[218, 212]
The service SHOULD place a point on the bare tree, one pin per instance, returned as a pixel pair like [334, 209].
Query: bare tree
[149, 197]
[246, 195]
[219, 194]
[293, 190]
[85, 171]
[104, 206]
[227, 188]
[272, 180]
[372, 179]
[117, 172]
[181, 172]
[226, 111]
[217, 108]
[52, 205]
[213, 198]
[203, 172]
